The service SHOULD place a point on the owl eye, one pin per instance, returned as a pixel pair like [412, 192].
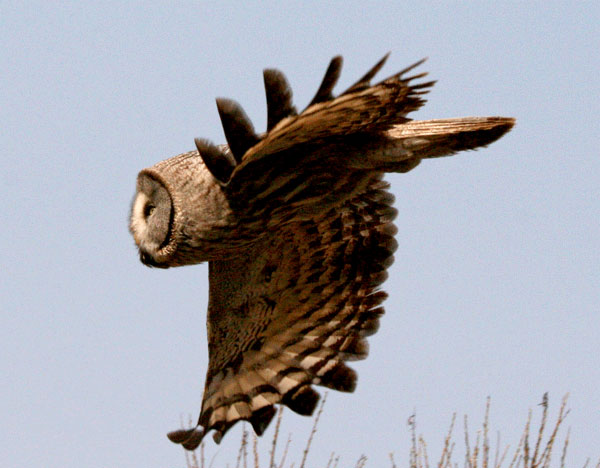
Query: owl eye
[148, 210]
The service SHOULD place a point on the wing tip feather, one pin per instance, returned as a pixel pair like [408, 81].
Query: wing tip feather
[261, 419]
[302, 400]
[189, 439]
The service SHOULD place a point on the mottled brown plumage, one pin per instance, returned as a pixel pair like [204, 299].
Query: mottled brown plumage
[297, 227]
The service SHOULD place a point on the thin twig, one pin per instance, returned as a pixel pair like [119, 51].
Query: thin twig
[468, 463]
[275, 437]
[412, 423]
[361, 462]
[499, 464]
[526, 444]
[285, 451]
[255, 450]
[314, 430]
[497, 449]
[190, 458]
[564, 452]
[450, 452]
[194, 459]
[212, 460]
[516, 458]
[423, 451]
[445, 452]
[544, 404]
[241, 450]
[486, 442]
[562, 414]
[245, 452]
[475, 456]
[330, 459]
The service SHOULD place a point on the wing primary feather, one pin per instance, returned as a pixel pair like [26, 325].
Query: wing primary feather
[189, 438]
[279, 97]
[400, 75]
[371, 324]
[365, 80]
[340, 377]
[411, 67]
[239, 131]
[324, 93]
[427, 84]
[303, 400]
[219, 163]
[181, 435]
[354, 348]
[218, 437]
[260, 419]
[222, 430]
[194, 441]
[408, 79]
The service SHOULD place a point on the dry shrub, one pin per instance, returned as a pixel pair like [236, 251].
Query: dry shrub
[529, 453]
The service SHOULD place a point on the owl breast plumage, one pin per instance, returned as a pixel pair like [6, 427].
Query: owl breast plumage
[297, 227]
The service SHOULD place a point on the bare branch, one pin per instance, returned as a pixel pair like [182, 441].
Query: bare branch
[313, 432]
[275, 437]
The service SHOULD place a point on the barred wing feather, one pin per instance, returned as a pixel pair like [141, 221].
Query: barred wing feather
[293, 306]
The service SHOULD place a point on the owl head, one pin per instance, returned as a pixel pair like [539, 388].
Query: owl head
[179, 214]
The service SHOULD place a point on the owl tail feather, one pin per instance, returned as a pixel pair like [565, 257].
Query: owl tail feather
[402, 148]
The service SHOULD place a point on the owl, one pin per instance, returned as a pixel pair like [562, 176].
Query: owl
[296, 225]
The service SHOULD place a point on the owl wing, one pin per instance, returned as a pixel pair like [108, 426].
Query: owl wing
[307, 163]
[293, 306]
[291, 310]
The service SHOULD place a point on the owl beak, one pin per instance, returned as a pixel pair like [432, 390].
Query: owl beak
[149, 261]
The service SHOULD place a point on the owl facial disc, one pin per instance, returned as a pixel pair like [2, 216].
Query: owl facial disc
[151, 217]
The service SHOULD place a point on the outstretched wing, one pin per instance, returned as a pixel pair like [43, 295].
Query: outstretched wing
[293, 306]
[289, 312]
[307, 163]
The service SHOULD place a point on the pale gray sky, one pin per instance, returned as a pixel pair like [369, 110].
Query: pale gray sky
[496, 284]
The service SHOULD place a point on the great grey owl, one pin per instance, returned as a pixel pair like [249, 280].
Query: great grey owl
[296, 224]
